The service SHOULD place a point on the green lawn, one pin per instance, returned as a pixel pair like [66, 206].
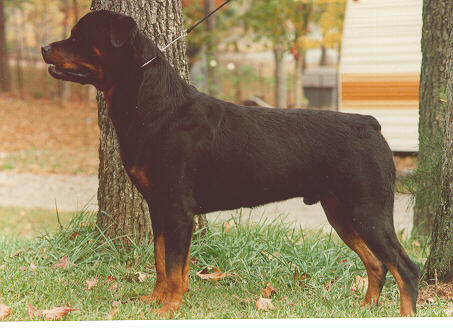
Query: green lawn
[22, 222]
[254, 254]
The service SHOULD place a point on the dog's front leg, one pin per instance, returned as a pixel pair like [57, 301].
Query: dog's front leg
[177, 236]
[158, 294]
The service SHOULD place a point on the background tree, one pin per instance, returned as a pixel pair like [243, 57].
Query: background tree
[268, 20]
[4, 70]
[211, 49]
[437, 26]
[300, 14]
[439, 264]
[122, 210]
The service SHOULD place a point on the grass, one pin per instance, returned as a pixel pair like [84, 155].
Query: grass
[22, 222]
[254, 254]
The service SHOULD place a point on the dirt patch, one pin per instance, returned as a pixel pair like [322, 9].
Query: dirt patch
[431, 293]
[45, 137]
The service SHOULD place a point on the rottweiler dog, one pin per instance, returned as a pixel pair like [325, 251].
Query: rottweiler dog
[189, 154]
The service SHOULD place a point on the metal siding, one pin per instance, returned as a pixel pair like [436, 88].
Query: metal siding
[380, 37]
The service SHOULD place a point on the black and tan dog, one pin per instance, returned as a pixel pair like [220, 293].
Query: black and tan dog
[188, 153]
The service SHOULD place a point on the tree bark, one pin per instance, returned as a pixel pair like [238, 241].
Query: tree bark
[122, 210]
[440, 260]
[280, 78]
[4, 70]
[437, 25]
[299, 95]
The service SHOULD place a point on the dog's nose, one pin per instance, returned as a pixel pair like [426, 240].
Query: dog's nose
[45, 50]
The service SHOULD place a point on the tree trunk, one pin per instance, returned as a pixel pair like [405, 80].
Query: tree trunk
[20, 83]
[280, 77]
[299, 96]
[122, 210]
[211, 53]
[4, 70]
[437, 24]
[440, 260]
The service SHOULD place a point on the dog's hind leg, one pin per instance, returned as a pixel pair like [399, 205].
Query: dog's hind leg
[376, 270]
[373, 233]
[378, 233]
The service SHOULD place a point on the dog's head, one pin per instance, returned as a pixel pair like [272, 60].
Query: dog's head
[94, 51]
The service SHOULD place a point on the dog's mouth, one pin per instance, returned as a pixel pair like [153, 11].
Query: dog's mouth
[81, 75]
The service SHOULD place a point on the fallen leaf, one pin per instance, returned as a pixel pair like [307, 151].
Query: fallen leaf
[62, 263]
[215, 275]
[194, 261]
[32, 267]
[109, 278]
[285, 300]
[74, 235]
[112, 314]
[2, 266]
[271, 256]
[301, 278]
[57, 312]
[416, 244]
[449, 311]
[20, 251]
[269, 291]
[42, 253]
[141, 276]
[360, 285]
[227, 226]
[430, 300]
[4, 311]
[91, 283]
[264, 304]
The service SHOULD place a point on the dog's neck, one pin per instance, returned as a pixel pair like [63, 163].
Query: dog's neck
[161, 84]
[156, 89]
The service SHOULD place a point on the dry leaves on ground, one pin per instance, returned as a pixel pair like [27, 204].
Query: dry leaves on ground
[269, 291]
[4, 311]
[360, 285]
[62, 263]
[430, 293]
[52, 314]
[91, 283]
[113, 284]
[212, 274]
[20, 251]
[264, 304]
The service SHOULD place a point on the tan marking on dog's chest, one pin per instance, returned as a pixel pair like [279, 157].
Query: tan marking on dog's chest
[140, 177]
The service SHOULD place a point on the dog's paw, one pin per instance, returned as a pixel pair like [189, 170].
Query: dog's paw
[167, 311]
[157, 298]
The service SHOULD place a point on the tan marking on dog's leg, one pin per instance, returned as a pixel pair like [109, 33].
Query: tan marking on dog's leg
[406, 309]
[174, 294]
[158, 294]
[375, 269]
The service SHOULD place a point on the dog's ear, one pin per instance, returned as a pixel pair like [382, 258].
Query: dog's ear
[122, 28]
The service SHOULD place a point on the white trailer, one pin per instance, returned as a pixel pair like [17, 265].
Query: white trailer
[380, 66]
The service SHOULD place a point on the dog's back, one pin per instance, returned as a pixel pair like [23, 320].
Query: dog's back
[259, 155]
